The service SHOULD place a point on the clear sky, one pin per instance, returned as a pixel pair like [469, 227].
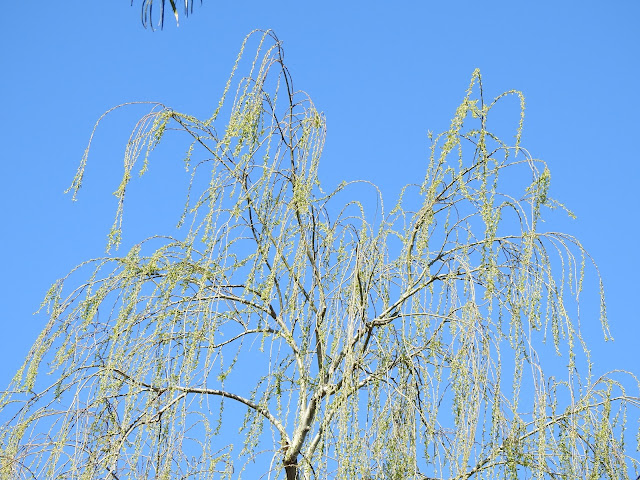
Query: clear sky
[382, 74]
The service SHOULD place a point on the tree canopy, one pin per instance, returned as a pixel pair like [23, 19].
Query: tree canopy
[360, 341]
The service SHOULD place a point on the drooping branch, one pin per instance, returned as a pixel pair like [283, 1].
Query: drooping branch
[211, 391]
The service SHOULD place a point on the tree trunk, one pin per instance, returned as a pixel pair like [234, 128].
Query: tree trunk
[291, 469]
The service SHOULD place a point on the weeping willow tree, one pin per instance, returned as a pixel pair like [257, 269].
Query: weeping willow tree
[290, 332]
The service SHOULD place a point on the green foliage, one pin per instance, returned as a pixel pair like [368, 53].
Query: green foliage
[393, 344]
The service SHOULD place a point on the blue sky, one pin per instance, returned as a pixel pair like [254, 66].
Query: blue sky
[383, 76]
